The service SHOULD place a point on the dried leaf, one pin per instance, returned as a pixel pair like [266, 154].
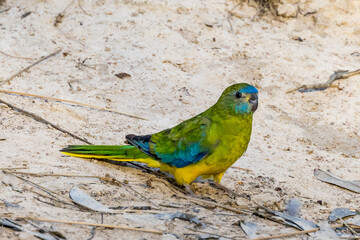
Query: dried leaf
[295, 222]
[249, 228]
[84, 200]
[179, 215]
[286, 219]
[10, 224]
[17, 227]
[354, 220]
[325, 232]
[122, 75]
[330, 178]
[338, 213]
[293, 207]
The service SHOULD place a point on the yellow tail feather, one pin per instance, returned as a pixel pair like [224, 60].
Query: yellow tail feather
[149, 161]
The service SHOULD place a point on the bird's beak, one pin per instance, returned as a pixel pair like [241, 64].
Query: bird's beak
[254, 102]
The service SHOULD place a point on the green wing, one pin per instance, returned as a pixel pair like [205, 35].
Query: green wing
[179, 146]
[183, 144]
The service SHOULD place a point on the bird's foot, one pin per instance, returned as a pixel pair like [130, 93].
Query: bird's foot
[230, 192]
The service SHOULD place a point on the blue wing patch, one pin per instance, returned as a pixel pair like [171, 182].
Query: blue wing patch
[183, 157]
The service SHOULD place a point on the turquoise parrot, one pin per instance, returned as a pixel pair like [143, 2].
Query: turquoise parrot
[205, 145]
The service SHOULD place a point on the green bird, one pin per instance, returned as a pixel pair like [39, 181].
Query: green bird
[205, 145]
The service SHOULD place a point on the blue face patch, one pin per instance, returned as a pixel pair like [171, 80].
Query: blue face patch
[242, 109]
[249, 89]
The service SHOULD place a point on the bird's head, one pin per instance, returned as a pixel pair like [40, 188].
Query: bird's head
[240, 98]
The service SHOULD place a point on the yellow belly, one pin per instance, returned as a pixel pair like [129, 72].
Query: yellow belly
[189, 173]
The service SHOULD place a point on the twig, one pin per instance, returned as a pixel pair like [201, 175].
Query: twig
[79, 1]
[59, 18]
[6, 54]
[301, 232]
[31, 65]
[5, 10]
[11, 168]
[213, 234]
[155, 206]
[245, 169]
[42, 120]
[287, 234]
[339, 74]
[241, 211]
[56, 175]
[51, 193]
[231, 27]
[346, 225]
[230, 14]
[92, 224]
[71, 102]
[107, 179]
[92, 233]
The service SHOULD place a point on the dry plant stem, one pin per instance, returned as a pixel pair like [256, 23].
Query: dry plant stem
[55, 175]
[339, 74]
[42, 120]
[66, 8]
[240, 211]
[84, 176]
[299, 233]
[92, 224]
[245, 169]
[287, 234]
[92, 232]
[174, 188]
[53, 198]
[82, 9]
[214, 234]
[71, 102]
[229, 21]
[30, 66]
[230, 14]
[155, 206]
[51, 193]
[6, 54]
[228, 190]
[11, 168]
[5, 10]
[346, 225]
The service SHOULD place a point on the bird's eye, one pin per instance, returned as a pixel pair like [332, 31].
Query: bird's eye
[238, 95]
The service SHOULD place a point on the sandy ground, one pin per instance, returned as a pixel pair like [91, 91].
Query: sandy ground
[180, 55]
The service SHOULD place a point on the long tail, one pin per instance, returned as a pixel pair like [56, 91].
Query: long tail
[123, 153]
